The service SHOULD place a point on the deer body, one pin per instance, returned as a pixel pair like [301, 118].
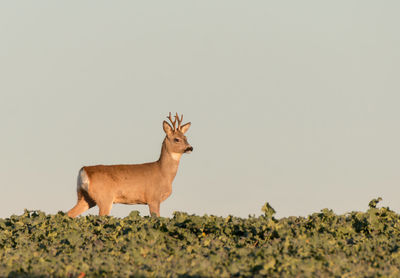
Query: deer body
[148, 183]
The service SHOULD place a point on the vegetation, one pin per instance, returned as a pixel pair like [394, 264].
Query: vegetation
[356, 244]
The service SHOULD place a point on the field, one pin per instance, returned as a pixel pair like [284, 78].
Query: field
[356, 244]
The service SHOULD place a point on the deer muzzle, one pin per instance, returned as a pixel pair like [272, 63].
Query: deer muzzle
[189, 149]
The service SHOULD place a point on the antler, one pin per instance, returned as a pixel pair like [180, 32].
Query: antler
[176, 119]
[179, 120]
[172, 122]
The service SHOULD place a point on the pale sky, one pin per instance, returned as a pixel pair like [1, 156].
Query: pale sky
[291, 102]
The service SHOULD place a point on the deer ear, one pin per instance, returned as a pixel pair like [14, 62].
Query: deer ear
[167, 128]
[185, 127]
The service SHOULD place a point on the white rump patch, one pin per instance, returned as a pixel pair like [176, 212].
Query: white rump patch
[83, 180]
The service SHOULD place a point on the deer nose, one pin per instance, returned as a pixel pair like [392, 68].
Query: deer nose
[189, 149]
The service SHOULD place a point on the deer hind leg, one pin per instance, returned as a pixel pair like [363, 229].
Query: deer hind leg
[104, 200]
[84, 203]
[105, 207]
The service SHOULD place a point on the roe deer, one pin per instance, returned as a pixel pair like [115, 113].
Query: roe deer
[148, 183]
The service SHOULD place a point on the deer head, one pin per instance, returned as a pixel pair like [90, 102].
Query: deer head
[176, 140]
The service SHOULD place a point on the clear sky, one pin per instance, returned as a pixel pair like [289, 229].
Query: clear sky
[291, 102]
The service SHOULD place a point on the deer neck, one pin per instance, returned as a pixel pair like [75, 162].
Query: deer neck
[169, 162]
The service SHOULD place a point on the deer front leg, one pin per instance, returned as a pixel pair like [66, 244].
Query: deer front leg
[154, 208]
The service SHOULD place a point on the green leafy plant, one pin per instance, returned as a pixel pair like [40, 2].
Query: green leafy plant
[268, 210]
[374, 202]
[323, 244]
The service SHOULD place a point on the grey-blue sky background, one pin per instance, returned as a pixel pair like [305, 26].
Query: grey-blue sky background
[291, 102]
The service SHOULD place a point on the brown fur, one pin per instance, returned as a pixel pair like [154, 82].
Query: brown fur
[148, 183]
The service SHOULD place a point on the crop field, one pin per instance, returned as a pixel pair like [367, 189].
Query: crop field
[356, 244]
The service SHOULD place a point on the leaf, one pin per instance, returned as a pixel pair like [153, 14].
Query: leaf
[268, 210]
[374, 202]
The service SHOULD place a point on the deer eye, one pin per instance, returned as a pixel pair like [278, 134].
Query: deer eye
[176, 140]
